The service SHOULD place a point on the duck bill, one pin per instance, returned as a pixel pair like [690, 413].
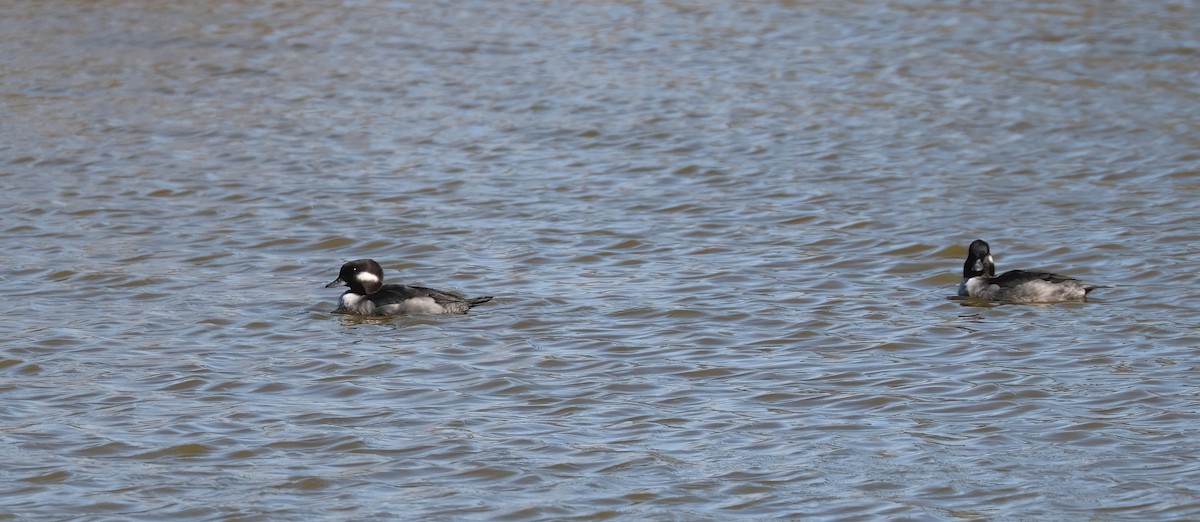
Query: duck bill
[336, 282]
[989, 266]
[982, 264]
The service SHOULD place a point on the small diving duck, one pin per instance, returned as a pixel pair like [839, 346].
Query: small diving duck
[1015, 286]
[369, 296]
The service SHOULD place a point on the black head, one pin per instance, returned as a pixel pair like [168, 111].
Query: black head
[363, 276]
[979, 260]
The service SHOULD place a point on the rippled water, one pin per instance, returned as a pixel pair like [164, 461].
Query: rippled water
[723, 240]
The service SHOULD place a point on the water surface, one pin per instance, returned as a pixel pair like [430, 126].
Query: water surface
[723, 240]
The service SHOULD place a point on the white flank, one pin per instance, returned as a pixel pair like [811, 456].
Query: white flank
[980, 287]
[421, 305]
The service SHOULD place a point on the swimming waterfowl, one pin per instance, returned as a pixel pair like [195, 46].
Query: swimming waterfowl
[1015, 286]
[369, 296]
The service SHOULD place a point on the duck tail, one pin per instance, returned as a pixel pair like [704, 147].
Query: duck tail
[478, 300]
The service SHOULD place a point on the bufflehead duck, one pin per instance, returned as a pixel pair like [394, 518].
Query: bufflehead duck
[1015, 286]
[369, 296]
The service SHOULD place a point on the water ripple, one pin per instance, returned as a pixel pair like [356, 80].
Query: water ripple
[723, 242]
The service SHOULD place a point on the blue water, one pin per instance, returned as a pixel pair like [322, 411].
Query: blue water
[724, 242]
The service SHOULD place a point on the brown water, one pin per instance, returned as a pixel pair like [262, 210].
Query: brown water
[723, 239]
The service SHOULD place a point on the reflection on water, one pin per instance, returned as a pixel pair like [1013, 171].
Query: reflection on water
[724, 241]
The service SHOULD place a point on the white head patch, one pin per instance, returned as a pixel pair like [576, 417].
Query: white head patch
[366, 278]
